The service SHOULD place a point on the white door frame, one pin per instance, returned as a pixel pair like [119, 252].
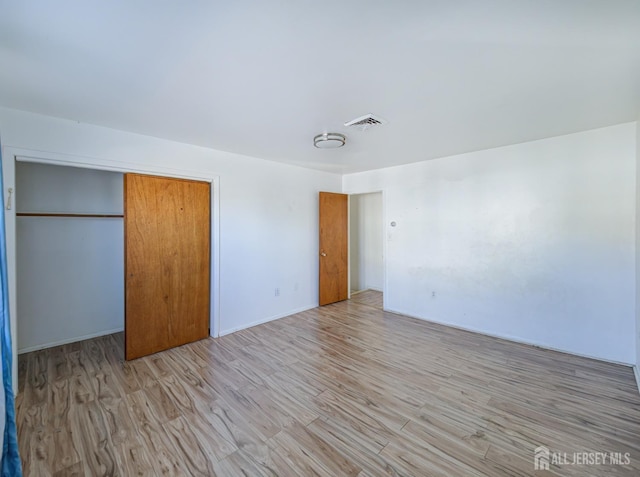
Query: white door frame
[384, 241]
[12, 154]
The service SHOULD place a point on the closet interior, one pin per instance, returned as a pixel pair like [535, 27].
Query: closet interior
[70, 254]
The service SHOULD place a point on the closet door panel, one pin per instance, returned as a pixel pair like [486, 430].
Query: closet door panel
[167, 263]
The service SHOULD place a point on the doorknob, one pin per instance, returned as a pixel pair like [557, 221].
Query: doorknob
[322, 254]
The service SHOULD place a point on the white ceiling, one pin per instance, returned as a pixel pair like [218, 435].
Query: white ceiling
[263, 77]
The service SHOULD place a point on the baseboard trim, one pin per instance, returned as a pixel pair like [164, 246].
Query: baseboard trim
[28, 349]
[268, 319]
[510, 338]
[636, 371]
[352, 293]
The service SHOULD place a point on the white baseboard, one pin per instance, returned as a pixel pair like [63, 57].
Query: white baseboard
[268, 319]
[509, 338]
[636, 371]
[28, 349]
[355, 292]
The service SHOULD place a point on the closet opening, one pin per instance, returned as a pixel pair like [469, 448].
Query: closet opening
[69, 244]
[89, 222]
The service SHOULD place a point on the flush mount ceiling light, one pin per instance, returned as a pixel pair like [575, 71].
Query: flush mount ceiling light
[329, 141]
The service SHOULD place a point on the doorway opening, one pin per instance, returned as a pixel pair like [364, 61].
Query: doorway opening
[366, 249]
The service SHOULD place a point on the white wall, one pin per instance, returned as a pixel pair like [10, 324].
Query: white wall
[268, 210]
[45, 188]
[637, 331]
[70, 271]
[533, 242]
[366, 252]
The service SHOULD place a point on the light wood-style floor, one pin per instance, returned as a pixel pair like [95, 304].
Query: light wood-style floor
[368, 297]
[345, 390]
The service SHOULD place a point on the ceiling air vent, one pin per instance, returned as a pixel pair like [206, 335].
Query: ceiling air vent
[365, 122]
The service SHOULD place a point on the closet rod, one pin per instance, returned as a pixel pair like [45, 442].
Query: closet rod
[93, 216]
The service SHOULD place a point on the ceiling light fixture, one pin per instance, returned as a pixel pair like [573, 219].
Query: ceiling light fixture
[329, 140]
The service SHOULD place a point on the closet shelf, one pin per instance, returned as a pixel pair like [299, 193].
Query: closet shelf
[91, 216]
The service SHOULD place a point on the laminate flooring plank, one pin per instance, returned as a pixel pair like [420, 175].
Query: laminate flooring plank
[75, 470]
[329, 456]
[217, 349]
[118, 419]
[154, 438]
[186, 353]
[263, 400]
[134, 459]
[142, 373]
[620, 438]
[65, 454]
[37, 387]
[220, 376]
[421, 459]
[354, 448]
[93, 441]
[463, 453]
[458, 429]
[23, 364]
[395, 402]
[468, 446]
[507, 464]
[195, 386]
[366, 427]
[174, 388]
[296, 381]
[258, 363]
[238, 464]
[80, 386]
[259, 422]
[284, 347]
[190, 449]
[159, 402]
[92, 350]
[106, 385]
[220, 446]
[251, 374]
[60, 402]
[123, 372]
[294, 404]
[58, 364]
[238, 340]
[264, 460]
[41, 453]
[229, 424]
[158, 365]
[297, 457]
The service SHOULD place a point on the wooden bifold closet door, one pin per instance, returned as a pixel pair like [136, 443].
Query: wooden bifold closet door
[167, 262]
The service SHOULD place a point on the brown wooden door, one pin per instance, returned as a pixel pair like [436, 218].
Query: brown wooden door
[167, 265]
[334, 259]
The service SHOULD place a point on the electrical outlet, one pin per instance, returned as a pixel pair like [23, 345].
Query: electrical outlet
[433, 294]
[277, 292]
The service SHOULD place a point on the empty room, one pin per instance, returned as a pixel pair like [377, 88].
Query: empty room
[327, 239]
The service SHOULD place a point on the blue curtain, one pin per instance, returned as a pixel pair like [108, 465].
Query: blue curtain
[11, 466]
